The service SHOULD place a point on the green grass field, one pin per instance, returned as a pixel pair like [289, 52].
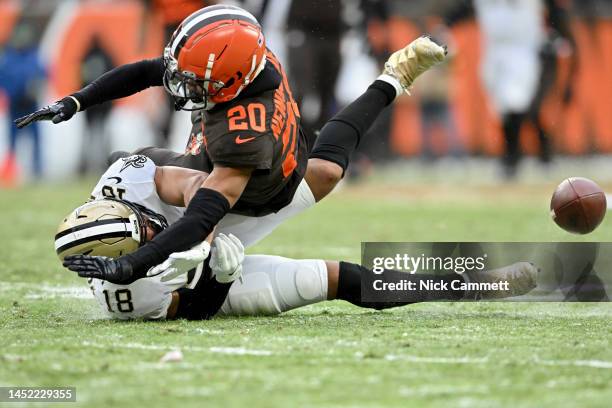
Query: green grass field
[332, 354]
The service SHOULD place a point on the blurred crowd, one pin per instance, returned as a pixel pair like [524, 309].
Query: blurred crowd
[523, 76]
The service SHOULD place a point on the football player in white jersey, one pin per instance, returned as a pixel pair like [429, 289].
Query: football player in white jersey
[134, 200]
[128, 210]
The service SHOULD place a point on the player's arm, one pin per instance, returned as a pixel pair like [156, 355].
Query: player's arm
[119, 82]
[176, 185]
[206, 298]
[215, 197]
[199, 303]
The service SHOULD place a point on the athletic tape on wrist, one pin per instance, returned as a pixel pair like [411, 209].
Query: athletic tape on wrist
[78, 104]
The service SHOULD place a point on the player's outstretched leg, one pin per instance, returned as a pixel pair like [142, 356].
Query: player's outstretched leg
[344, 282]
[341, 135]
[273, 284]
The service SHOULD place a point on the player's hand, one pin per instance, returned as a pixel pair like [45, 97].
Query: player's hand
[179, 263]
[411, 61]
[58, 112]
[226, 258]
[117, 271]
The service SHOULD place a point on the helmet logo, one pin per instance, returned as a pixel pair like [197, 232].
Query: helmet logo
[194, 147]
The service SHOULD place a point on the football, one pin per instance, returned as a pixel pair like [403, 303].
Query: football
[578, 205]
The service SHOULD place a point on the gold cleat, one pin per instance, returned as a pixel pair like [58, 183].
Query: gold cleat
[512, 280]
[411, 61]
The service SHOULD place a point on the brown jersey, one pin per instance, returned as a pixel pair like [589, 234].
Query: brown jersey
[258, 130]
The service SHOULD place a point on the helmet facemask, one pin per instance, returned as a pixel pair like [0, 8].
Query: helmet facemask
[147, 218]
[186, 87]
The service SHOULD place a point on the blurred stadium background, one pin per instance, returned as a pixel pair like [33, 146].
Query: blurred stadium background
[432, 164]
[333, 49]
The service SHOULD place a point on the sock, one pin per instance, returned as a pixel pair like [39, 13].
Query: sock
[350, 278]
[341, 135]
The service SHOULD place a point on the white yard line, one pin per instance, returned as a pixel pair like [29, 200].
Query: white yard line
[485, 360]
[437, 360]
[433, 390]
[239, 351]
[214, 350]
[46, 291]
[576, 363]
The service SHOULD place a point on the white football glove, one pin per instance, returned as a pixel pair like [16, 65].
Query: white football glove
[179, 263]
[226, 258]
[411, 61]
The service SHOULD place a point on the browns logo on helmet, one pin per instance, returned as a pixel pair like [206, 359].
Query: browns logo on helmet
[213, 55]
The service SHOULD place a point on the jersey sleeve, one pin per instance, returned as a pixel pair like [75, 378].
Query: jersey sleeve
[241, 135]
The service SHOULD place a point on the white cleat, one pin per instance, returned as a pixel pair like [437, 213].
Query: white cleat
[411, 61]
[520, 277]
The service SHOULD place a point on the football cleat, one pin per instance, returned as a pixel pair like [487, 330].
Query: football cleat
[521, 278]
[411, 61]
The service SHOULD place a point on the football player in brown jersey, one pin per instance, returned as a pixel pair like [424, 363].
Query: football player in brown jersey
[247, 136]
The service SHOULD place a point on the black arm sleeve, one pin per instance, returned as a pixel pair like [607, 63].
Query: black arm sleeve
[203, 301]
[205, 210]
[122, 81]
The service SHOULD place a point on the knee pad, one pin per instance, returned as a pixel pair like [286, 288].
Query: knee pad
[272, 284]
